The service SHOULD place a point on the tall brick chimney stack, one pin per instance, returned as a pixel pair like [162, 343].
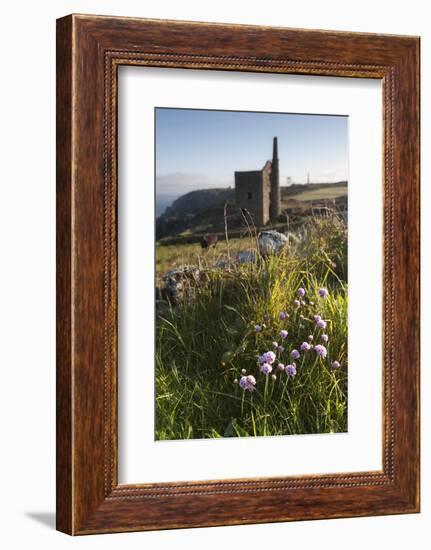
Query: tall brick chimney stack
[275, 205]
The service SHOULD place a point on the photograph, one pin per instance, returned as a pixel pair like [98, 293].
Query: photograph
[251, 282]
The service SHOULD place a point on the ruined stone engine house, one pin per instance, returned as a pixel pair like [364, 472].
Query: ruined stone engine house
[258, 191]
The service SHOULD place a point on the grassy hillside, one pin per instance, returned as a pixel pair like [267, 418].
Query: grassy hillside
[318, 193]
[200, 212]
[171, 256]
[206, 345]
[200, 199]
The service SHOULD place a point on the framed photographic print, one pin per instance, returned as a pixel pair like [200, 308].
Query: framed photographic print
[237, 274]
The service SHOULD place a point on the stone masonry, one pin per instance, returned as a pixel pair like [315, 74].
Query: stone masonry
[258, 191]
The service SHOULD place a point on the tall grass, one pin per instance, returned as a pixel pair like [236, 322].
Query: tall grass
[205, 344]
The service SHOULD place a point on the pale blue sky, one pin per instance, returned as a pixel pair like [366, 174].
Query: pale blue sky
[201, 148]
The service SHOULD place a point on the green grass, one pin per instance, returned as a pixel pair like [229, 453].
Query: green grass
[204, 343]
[327, 192]
[171, 256]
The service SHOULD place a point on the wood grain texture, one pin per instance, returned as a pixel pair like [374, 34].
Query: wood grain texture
[90, 49]
[64, 497]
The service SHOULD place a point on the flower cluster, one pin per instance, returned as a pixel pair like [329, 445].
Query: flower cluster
[305, 346]
[266, 368]
[291, 370]
[248, 383]
[323, 293]
[268, 361]
[268, 357]
[321, 351]
[294, 354]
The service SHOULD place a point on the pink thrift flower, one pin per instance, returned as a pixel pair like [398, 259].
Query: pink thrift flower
[321, 351]
[266, 368]
[323, 293]
[291, 370]
[294, 354]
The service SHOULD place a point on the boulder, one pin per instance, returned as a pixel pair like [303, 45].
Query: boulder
[271, 242]
[178, 281]
[246, 256]
[225, 264]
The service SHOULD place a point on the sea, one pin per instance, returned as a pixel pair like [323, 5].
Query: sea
[163, 201]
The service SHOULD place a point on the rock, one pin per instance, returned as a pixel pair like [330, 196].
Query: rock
[182, 273]
[178, 281]
[271, 242]
[225, 265]
[246, 256]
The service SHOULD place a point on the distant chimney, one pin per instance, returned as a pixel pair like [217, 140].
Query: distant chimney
[275, 208]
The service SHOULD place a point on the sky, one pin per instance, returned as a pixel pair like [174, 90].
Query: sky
[198, 149]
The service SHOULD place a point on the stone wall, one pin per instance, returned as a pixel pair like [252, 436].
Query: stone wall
[252, 194]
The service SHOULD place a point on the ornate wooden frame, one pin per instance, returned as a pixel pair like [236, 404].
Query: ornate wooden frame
[89, 51]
